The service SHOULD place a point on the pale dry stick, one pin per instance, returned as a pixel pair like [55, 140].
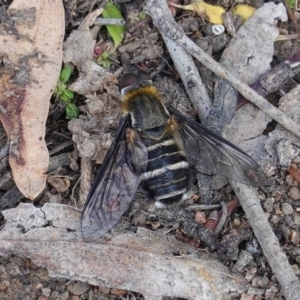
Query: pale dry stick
[277, 259]
[248, 196]
[103, 22]
[163, 20]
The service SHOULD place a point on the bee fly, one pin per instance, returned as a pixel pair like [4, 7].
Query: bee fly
[157, 145]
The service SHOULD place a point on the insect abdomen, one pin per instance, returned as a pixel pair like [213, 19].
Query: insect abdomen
[166, 177]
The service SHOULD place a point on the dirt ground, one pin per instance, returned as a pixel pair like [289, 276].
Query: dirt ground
[143, 48]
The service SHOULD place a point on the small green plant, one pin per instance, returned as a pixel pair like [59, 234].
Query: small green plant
[103, 60]
[291, 3]
[117, 32]
[65, 95]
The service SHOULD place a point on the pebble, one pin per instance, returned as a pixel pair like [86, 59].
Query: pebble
[296, 269]
[269, 205]
[244, 259]
[3, 285]
[296, 218]
[255, 291]
[287, 209]
[200, 217]
[275, 219]
[289, 179]
[46, 292]
[294, 193]
[237, 222]
[78, 288]
[261, 282]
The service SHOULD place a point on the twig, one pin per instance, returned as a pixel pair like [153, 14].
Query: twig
[248, 197]
[102, 22]
[203, 207]
[222, 219]
[174, 32]
[73, 192]
[277, 259]
[60, 147]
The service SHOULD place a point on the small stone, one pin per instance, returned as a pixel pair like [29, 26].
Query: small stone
[287, 209]
[250, 274]
[269, 205]
[200, 217]
[275, 219]
[4, 285]
[277, 209]
[46, 292]
[261, 282]
[289, 179]
[297, 259]
[237, 222]
[39, 286]
[296, 218]
[78, 288]
[295, 237]
[271, 292]
[294, 193]
[296, 269]
[244, 259]
[255, 291]
[65, 296]
[278, 196]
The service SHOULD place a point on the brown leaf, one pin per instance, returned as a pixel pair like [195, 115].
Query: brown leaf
[32, 56]
[58, 183]
[145, 262]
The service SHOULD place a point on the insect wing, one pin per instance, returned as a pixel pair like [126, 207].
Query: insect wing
[216, 154]
[114, 187]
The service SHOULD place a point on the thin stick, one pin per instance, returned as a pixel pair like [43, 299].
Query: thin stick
[102, 22]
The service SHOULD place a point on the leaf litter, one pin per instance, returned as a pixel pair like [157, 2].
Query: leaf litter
[102, 109]
[30, 69]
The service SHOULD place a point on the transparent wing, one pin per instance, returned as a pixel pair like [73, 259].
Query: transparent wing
[215, 154]
[115, 184]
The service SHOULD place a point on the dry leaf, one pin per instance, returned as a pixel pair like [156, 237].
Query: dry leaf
[283, 146]
[79, 48]
[32, 56]
[145, 262]
[214, 13]
[244, 10]
[249, 55]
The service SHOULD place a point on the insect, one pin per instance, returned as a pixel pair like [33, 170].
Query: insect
[156, 145]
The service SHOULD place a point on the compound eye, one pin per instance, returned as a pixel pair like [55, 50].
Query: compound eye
[127, 80]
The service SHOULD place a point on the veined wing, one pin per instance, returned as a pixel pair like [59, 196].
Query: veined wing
[216, 154]
[115, 184]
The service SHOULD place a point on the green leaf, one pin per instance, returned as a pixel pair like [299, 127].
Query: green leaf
[63, 97]
[65, 74]
[111, 11]
[291, 3]
[68, 94]
[72, 111]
